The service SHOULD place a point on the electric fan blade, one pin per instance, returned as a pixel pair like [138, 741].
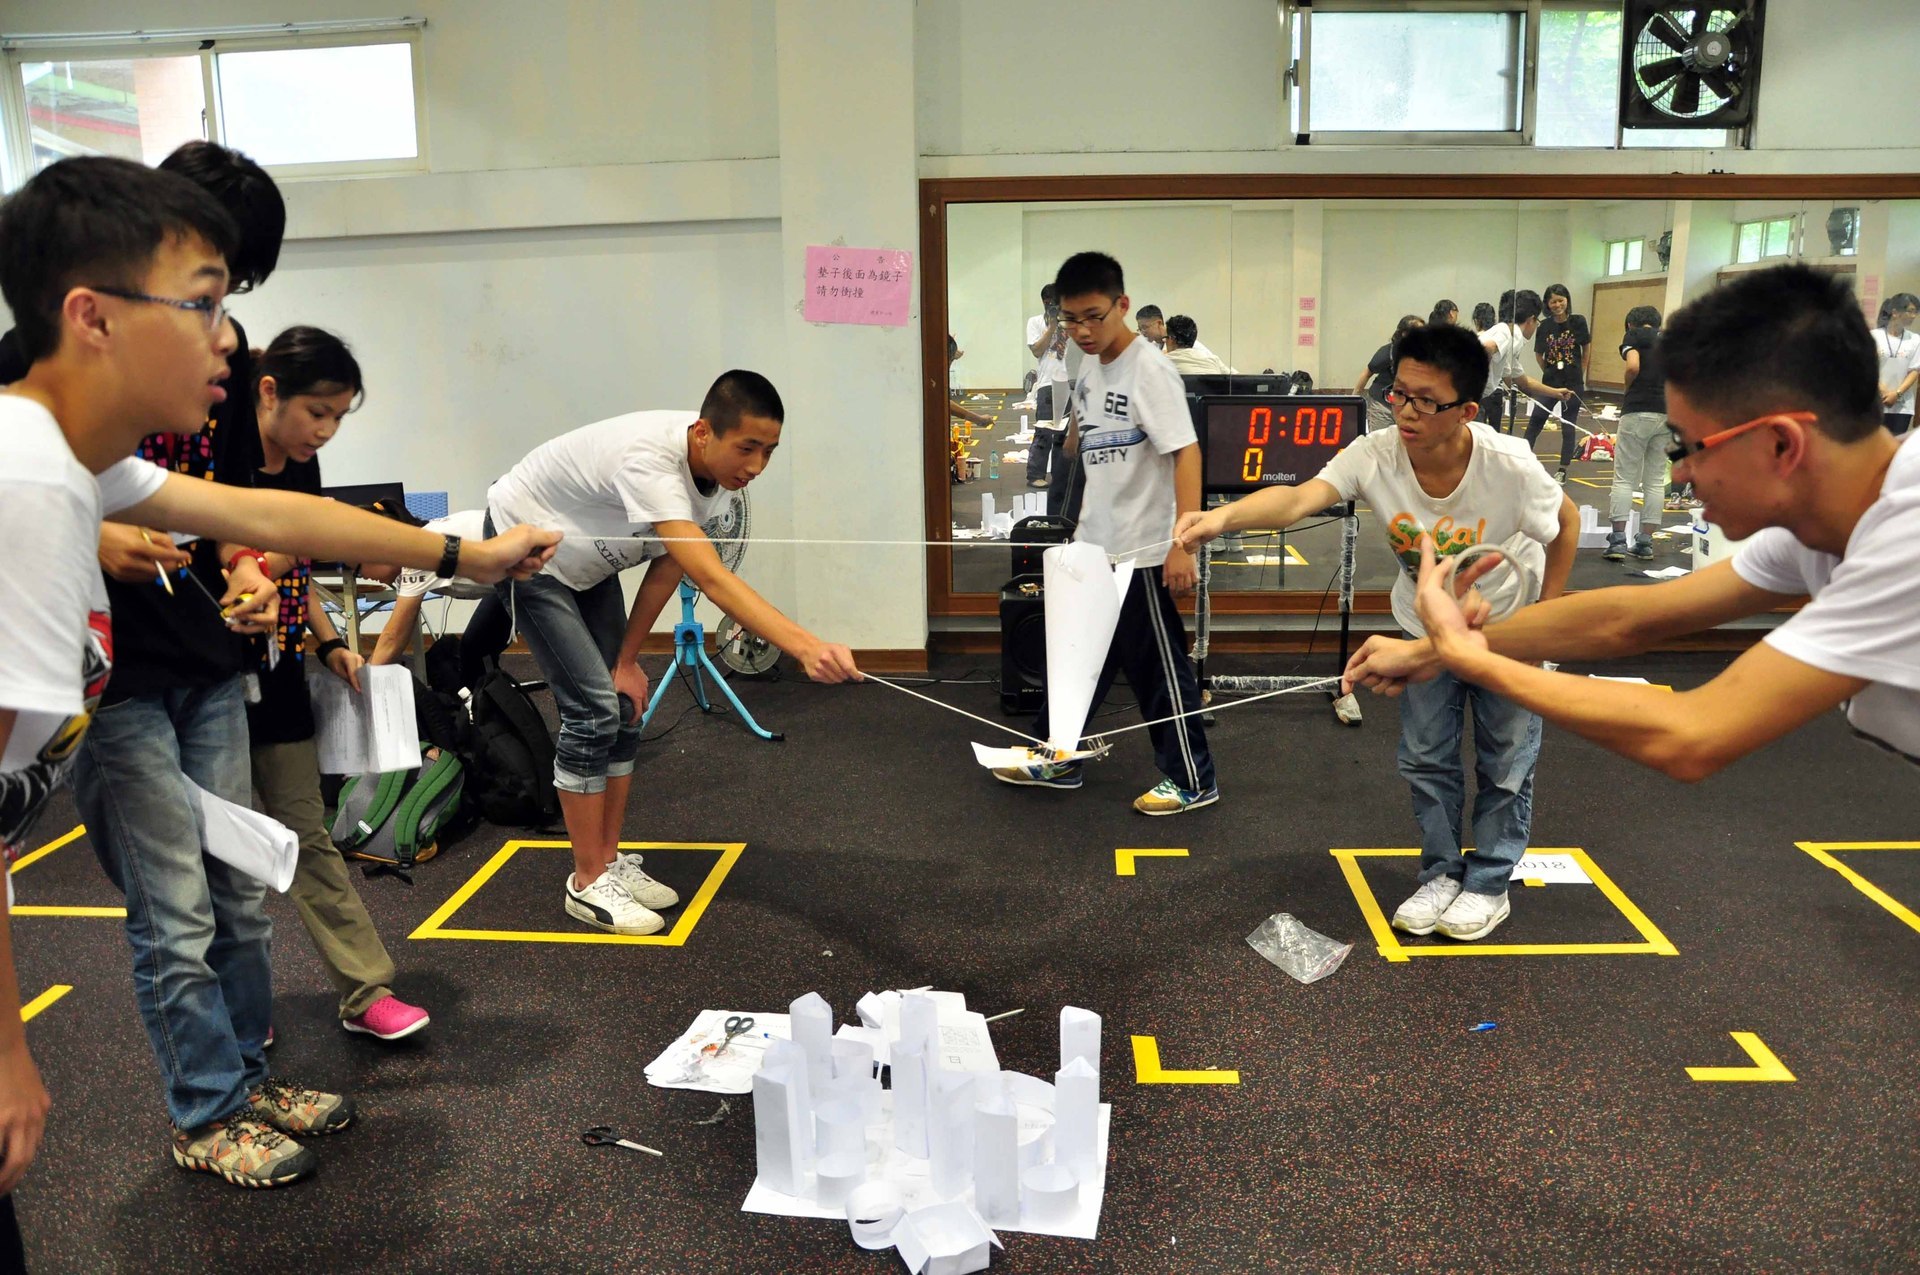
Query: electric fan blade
[1699, 22]
[1664, 29]
[1722, 85]
[1656, 75]
[1686, 98]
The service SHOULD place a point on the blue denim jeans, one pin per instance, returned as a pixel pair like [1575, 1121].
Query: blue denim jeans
[1506, 746]
[575, 636]
[199, 930]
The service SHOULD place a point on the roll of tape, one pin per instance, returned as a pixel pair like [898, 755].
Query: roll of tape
[873, 1210]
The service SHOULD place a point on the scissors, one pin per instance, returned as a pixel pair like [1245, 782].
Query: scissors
[738, 1025]
[602, 1135]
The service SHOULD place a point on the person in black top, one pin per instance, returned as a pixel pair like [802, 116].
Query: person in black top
[1563, 345]
[305, 383]
[1639, 456]
[1378, 378]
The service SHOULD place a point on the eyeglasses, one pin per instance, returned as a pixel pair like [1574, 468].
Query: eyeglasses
[1679, 449]
[212, 312]
[1421, 403]
[1090, 322]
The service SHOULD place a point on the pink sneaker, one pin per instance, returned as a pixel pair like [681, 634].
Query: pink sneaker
[389, 1018]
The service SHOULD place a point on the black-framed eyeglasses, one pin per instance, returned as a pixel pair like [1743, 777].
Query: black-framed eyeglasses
[1679, 449]
[212, 312]
[1090, 322]
[1421, 403]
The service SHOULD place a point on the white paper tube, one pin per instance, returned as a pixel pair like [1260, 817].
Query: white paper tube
[1080, 1037]
[837, 1176]
[910, 1101]
[996, 1161]
[1049, 1193]
[840, 1128]
[873, 1210]
[1076, 1118]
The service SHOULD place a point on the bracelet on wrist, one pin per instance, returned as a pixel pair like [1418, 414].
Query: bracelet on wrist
[328, 647]
[260, 560]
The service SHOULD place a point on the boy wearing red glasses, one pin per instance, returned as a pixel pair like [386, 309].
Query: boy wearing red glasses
[1774, 414]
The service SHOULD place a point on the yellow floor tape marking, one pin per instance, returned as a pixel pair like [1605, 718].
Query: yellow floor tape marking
[44, 999]
[49, 848]
[33, 910]
[1148, 1071]
[1123, 859]
[1766, 1065]
[1819, 850]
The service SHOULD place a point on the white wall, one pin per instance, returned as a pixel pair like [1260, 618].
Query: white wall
[987, 306]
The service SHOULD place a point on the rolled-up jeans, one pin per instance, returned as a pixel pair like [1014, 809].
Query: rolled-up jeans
[1639, 464]
[575, 635]
[202, 973]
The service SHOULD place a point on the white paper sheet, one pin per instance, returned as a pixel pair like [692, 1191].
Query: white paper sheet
[685, 1065]
[1555, 869]
[912, 1177]
[963, 1044]
[263, 848]
[1083, 593]
[1022, 755]
[368, 732]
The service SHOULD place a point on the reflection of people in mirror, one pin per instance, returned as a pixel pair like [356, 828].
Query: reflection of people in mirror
[1047, 341]
[1899, 348]
[1563, 345]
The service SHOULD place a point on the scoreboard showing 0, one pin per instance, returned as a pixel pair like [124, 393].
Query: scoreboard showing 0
[1252, 441]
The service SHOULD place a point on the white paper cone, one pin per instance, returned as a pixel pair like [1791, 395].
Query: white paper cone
[245, 839]
[1082, 608]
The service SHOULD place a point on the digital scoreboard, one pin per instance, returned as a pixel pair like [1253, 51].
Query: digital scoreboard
[1252, 441]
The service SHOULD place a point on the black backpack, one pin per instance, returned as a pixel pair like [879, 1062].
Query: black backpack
[510, 756]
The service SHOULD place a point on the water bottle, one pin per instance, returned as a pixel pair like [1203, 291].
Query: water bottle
[993, 464]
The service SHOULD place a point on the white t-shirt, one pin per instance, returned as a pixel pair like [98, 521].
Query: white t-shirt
[468, 524]
[1505, 360]
[1505, 498]
[1899, 355]
[1865, 612]
[605, 485]
[56, 643]
[1053, 363]
[1133, 418]
[1200, 347]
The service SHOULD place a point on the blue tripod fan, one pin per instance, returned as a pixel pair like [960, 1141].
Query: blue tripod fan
[742, 651]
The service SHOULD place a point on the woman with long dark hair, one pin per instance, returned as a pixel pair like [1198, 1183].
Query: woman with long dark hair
[1563, 345]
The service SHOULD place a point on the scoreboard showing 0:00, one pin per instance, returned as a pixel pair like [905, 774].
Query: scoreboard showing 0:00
[1251, 442]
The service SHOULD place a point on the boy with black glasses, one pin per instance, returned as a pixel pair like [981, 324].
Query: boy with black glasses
[1443, 477]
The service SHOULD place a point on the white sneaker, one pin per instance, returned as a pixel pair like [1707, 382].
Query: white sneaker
[1474, 916]
[626, 869]
[1419, 914]
[607, 905]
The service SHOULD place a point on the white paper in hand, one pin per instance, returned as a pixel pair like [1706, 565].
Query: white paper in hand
[371, 731]
[263, 848]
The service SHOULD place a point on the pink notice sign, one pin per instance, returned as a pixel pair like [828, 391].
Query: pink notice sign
[1309, 303]
[1306, 338]
[1306, 322]
[859, 285]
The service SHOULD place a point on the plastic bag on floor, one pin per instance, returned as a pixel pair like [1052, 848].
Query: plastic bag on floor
[1306, 954]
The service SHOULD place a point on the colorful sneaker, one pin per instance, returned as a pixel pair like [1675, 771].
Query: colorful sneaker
[243, 1149]
[1643, 548]
[607, 905]
[1560, 476]
[1473, 916]
[1169, 798]
[292, 1108]
[1042, 774]
[1616, 550]
[645, 890]
[388, 1018]
[1420, 913]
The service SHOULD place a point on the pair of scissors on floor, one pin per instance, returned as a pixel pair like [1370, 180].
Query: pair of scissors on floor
[602, 1135]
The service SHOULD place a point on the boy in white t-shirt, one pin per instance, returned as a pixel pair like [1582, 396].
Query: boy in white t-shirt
[1774, 406]
[1506, 342]
[1047, 341]
[116, 275]
[1442, 477]
[1134, 435]
[636, 488]
[489, 628]
[1899, 348]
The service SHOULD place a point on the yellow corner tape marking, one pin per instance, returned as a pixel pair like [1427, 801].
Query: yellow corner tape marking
[44, 999]
[1821, 851]
[1766, 1064]
[34, 910]
[1123, 859]
[1148, 1071]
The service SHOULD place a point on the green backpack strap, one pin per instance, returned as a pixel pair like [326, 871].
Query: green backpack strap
[366, 803]
[429, 803]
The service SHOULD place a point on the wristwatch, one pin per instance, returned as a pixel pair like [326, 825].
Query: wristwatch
[449, 558]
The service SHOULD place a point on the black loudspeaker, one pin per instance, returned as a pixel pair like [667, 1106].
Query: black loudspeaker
[1023, 645]
[1039, 529]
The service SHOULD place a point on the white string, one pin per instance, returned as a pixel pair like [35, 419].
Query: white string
[1291, 690]
[1128, 556]
[952, 709]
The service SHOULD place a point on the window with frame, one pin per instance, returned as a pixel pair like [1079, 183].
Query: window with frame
[1535, 72]
[277, 98]
[1761, 240]
[1624, 256]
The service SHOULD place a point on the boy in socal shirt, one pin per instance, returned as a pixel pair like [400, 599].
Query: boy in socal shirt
[1440, 476]
[1135, 438]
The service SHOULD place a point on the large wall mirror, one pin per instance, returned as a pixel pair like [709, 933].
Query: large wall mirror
[1312, 285]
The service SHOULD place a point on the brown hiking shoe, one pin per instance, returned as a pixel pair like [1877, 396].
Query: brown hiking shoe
[244, 1150]
[293, 1108]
